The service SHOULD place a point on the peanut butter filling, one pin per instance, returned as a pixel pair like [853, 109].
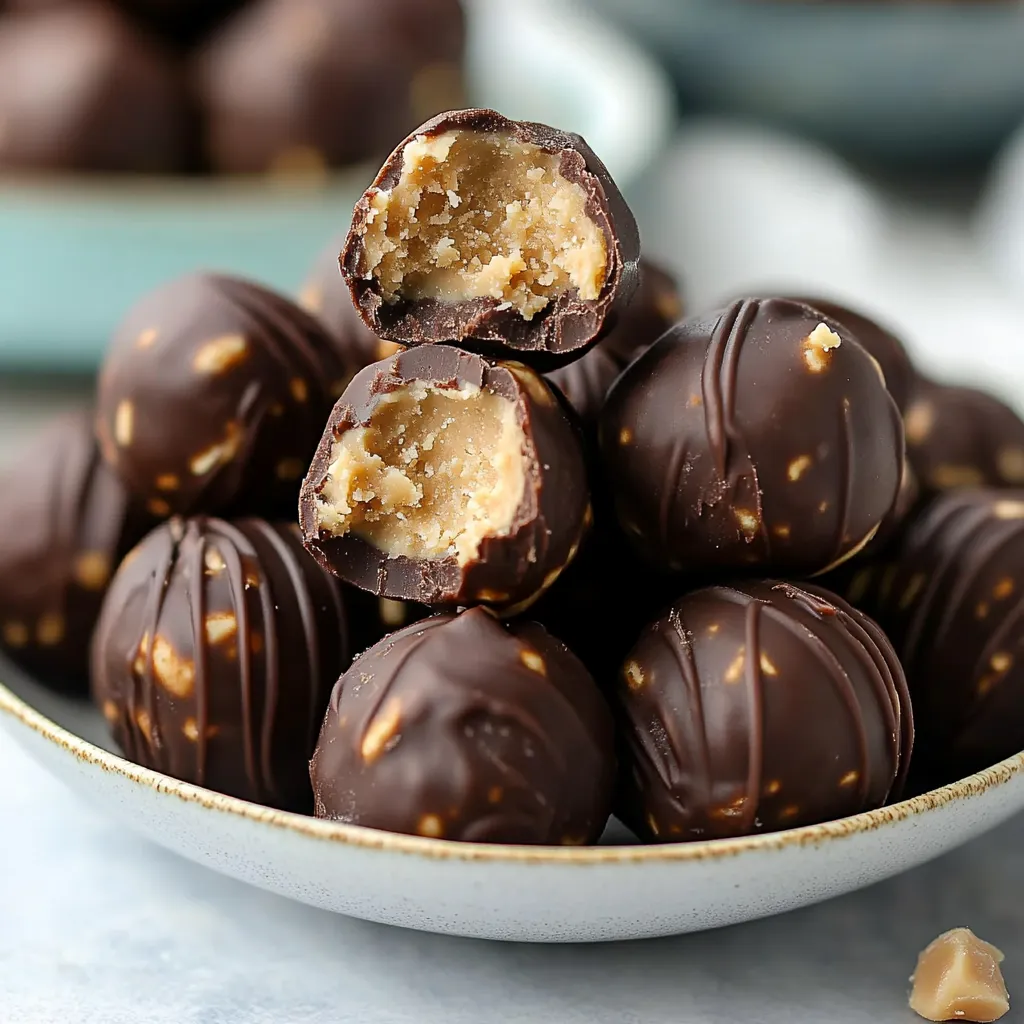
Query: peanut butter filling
[482, 215]
[435, 472]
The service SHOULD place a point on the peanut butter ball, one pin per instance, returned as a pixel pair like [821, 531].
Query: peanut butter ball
[759, 707]
[215, 654]
[760, 436]
[462, 727]
[212, 396]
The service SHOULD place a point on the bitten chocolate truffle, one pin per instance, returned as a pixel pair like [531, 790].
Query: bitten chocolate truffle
[65, 523]
[300, 86]
[951, 600]
[881, 343]
[656, 306]
[761, 435]
[963, 437]
[212, 397]
[327, 297]
[461, 727]
[445, 479]
[215, 655]
[756, 708]
[84, 91]
[506, 237]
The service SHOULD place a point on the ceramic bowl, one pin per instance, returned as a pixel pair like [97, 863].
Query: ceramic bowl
[596, 894]
[74, 253]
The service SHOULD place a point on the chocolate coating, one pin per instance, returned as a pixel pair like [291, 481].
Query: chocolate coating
[756, 708]
[761, 435]
[656, 306]
[511, 569]
[326, 296]
[304, 85]
[109, 99]
[212, 396]
[569, 324]
[962, 437]
[461, 727]
[883, 344]
[602, 602]
[951, 600]
[65, 524]
[215, 654]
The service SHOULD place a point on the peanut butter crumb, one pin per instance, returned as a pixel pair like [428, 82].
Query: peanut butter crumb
[958, 978]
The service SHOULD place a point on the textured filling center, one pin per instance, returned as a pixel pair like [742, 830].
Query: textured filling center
[435, 472]
[477, 215]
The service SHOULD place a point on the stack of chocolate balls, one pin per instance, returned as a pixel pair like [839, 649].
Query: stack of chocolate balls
[598, 559]
[222, 86]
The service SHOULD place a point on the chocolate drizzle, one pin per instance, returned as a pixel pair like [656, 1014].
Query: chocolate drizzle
[953, 603]
[721, 674]
[215, 653]
[723, 443]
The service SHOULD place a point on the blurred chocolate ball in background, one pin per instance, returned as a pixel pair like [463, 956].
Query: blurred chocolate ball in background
[81, 89]
[300, 86]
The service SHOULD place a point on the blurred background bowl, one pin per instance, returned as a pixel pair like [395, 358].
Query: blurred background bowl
[76, 252]
[910, 82]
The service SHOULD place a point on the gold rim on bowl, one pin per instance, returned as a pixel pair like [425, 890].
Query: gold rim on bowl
[373, 839]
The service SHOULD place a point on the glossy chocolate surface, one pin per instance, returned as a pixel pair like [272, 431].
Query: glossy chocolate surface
[461, 727]
[111, 99]
[212, 396]
[562, 331]
[655, 307]
[883, 344]
[215, 654]
[756, 708]
[951, 597]
[65, 524]
[757, 436]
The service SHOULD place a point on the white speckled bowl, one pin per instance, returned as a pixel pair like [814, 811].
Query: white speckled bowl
[504, 892]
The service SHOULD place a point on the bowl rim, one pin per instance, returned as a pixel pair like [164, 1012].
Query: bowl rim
[90, 755]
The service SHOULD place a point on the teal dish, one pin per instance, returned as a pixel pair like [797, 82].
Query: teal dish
[909, 82]
[76, 253]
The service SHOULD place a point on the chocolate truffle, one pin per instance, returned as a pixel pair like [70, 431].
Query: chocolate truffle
[886, 347]
[460, 727]
[756, 708]
[305, 85]
[963, 437]
[505, 237]
[65, 523]
[84, 91]
[445, 479]
[215, 655]
[951, 600]
[656, 306]
[326, 296]
[761, 435]
[212, 397]
[603, 600]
